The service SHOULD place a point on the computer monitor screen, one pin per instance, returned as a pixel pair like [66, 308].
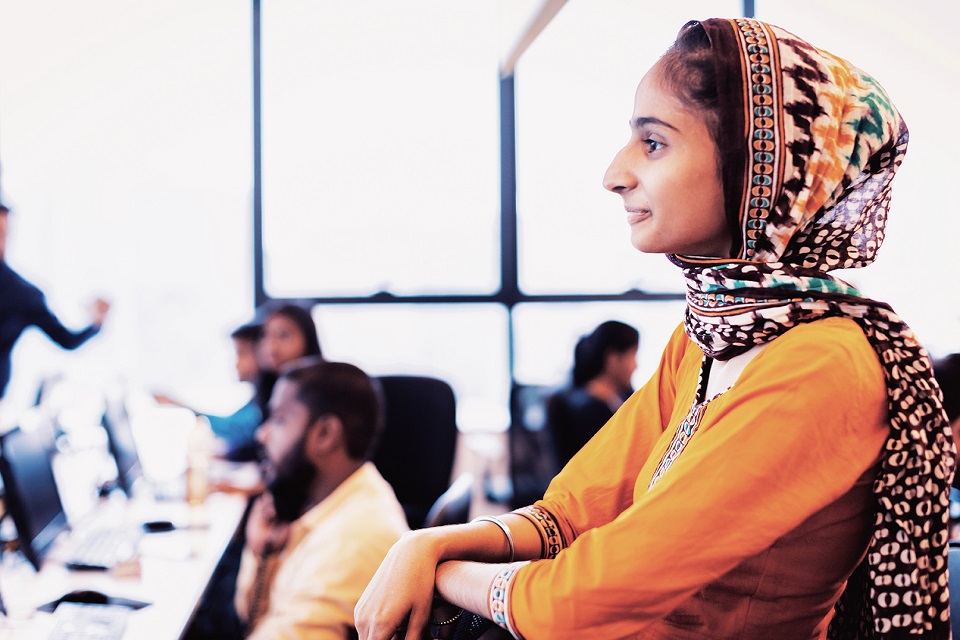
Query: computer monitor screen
[31, 491]
[120, 440]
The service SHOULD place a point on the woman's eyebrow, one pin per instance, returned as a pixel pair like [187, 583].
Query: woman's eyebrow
[641, 121]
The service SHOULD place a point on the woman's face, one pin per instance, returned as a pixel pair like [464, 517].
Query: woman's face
[282, 342]
[668, 176]
[621, 365]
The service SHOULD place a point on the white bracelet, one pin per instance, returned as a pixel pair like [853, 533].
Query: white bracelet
[506, 532]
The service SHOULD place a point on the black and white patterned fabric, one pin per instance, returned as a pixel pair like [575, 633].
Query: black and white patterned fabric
[807, 188]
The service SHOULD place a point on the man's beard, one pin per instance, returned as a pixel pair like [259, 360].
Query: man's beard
[291, 484]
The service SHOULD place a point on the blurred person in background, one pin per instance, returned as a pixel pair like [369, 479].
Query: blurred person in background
[287, 334]
[237, 430]
[603, 363]
[23, 305]
[317, 535]
[279, 335]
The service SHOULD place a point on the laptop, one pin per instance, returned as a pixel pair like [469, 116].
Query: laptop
[33, 501]
[121, 443]
[31, 494]
[123, 448]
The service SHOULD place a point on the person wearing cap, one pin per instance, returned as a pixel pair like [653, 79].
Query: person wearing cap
[23, 305]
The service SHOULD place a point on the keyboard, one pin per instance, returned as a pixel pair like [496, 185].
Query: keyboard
[101, 548]
[77, 621]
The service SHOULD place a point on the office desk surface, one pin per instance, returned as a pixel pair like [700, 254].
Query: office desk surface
[174, 569]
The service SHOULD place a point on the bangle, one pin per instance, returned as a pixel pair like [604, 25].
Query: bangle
[506, 532]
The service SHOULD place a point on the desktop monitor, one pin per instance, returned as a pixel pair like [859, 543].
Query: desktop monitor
[31, 493]
[120, 441]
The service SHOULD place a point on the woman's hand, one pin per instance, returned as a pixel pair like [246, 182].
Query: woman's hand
[397, 602]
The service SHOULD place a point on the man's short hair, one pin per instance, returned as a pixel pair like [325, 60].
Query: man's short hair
[4, 209]
[250, 332]
[342, 390]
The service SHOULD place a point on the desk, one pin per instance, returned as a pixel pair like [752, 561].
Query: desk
[175, 568]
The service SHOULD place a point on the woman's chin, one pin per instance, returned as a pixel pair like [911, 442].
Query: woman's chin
[643, 243]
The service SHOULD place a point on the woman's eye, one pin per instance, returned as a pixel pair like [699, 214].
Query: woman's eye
[652, 145]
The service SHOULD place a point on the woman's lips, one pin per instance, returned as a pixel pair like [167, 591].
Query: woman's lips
[637, 215]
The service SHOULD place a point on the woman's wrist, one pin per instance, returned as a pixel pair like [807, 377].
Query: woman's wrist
[467, 584]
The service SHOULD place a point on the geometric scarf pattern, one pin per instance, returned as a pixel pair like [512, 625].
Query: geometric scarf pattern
[807, 190]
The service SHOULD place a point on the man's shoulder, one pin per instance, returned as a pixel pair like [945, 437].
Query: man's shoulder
[12, 282]
[376, 498]
[367, 501]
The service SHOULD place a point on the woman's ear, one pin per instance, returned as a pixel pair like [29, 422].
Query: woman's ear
[325, 435]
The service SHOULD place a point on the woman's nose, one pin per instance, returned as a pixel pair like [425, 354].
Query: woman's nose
[618, 177]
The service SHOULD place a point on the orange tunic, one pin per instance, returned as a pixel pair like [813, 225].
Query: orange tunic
[752, 531]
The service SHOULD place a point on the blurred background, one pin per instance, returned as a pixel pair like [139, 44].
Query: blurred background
[362, 171]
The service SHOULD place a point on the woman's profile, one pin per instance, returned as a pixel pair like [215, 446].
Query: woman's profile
[785, 471]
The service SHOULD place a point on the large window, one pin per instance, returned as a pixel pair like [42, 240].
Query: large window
[381, 173]
[380, 147]
[126, 150]
[126, 158]
[575, 89]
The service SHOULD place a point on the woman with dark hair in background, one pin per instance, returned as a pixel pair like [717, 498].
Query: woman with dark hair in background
[603, 363]
[280, 334]
[288, 333]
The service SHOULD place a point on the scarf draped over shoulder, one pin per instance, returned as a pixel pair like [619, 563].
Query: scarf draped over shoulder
[806, 183]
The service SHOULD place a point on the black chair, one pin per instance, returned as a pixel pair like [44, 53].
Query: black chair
[419, 440]
[533, 461]
[453, 507]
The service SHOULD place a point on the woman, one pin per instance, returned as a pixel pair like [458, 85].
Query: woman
[286, 333]
[283, 333]
[603, 363]
[784, 473]
[289, 333]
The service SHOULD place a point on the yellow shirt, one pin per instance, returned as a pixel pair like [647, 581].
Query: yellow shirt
[805, 420]
[332, 553]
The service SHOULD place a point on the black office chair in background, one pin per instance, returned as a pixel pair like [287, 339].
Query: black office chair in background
[533, 461]
[453, 506]
[419, 440]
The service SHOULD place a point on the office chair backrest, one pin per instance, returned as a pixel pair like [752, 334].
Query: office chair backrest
[453, 507]
[532, 454]
[419, 439]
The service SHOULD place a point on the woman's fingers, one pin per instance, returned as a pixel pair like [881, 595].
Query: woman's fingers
[417, 623]
[375, 622]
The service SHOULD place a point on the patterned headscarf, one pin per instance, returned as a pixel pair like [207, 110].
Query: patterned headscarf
[807, 189]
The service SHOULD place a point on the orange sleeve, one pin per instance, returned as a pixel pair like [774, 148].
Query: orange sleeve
[806, 418]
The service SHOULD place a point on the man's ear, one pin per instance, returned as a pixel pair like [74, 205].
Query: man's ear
[325, 435]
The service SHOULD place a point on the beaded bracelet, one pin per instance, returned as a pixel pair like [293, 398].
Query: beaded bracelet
[506, 532]
[434, 627]
[498, 598]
